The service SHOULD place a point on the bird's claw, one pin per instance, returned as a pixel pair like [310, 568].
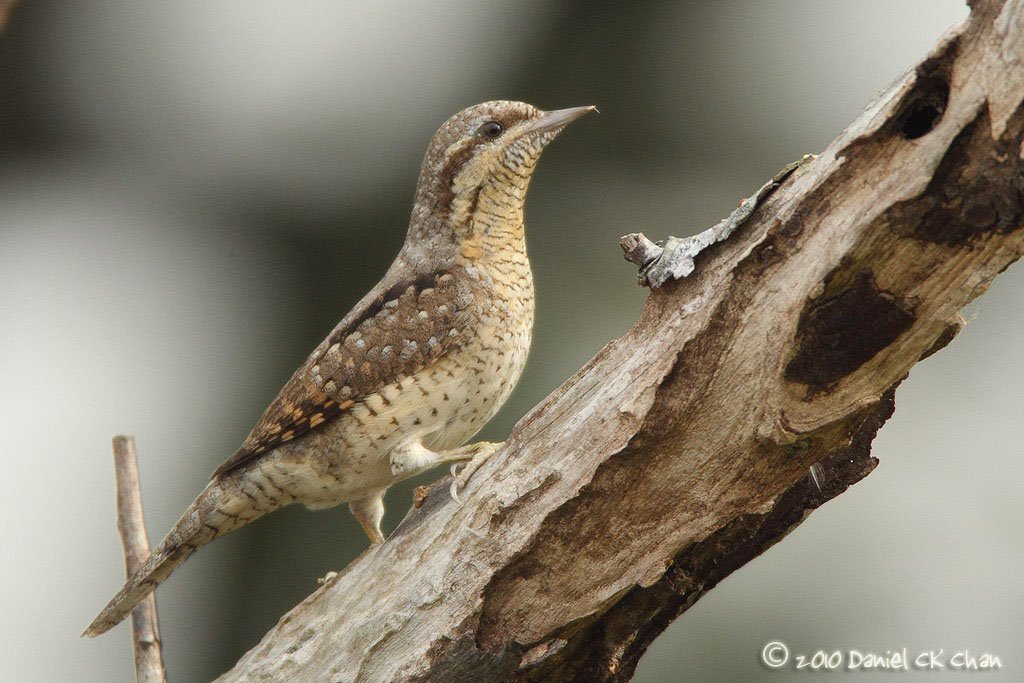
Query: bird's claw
[454, 490]
[461, 472]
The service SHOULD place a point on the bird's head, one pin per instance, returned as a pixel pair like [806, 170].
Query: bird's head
[488, 150]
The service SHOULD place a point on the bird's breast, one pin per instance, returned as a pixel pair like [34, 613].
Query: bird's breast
[443, 404]
[477, 377]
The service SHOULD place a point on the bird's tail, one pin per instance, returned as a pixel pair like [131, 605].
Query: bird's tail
[220, 508]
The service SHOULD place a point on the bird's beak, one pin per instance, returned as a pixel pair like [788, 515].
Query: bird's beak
[555, 120]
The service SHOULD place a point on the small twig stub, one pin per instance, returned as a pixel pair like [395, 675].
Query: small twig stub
[674, 259]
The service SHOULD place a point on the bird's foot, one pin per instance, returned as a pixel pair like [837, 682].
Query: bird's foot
[461, 472]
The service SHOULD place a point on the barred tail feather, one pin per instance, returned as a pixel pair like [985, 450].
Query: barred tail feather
[220, 508]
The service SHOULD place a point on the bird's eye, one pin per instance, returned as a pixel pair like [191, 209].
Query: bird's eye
[491, 130]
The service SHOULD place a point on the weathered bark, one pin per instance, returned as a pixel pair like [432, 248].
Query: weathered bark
[681, 450]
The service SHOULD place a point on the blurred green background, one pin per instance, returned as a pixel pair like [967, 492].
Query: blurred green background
[193, 193]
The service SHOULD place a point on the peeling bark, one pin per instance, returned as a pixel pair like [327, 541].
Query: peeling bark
[682, 450]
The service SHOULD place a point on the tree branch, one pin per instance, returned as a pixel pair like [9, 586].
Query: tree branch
[681, 451]
[149, 664]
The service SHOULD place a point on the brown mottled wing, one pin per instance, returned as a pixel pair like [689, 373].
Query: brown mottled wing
[379, 342]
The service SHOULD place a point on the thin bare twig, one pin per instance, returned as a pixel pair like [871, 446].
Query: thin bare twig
[149, 663]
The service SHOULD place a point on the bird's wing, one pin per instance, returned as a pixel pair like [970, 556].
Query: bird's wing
[385, 338]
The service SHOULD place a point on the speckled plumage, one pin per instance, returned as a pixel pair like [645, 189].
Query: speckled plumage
[420, 364]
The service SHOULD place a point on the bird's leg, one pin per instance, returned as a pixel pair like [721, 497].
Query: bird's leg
[368, 511]
[413, 458]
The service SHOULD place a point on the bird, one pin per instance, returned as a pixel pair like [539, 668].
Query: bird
[413, 371]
